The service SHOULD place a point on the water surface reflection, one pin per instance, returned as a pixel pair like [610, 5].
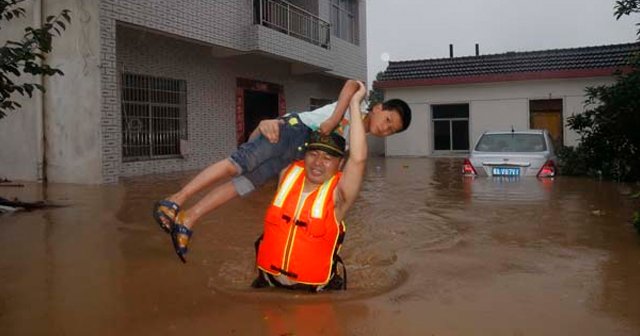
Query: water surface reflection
[427, 251]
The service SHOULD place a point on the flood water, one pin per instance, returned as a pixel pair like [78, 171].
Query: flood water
[428, 252]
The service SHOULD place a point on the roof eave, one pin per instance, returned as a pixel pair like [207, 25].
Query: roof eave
[505, 77]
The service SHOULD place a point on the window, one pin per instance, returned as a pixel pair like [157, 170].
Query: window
[154, 114]
[450, 127]
[315, 103]
[344, 20]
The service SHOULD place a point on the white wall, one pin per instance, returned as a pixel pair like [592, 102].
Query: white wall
[487, 115]
[20, 162]
[71, 103]
[491, 107]
[74, 148]
[413, 141]
[571, 106]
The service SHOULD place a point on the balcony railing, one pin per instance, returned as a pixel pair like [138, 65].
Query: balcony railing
[292, 20]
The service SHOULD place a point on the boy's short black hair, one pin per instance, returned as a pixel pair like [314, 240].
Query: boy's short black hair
[403, 110]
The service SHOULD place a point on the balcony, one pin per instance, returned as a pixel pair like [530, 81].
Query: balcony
[292, 20]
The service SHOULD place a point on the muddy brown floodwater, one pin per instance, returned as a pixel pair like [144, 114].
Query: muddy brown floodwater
[427, 251]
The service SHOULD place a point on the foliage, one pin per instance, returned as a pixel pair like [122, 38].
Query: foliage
[25, 56]
[376, 95]
[572, 162]
[627, 7]
[610, 128]
[636, 221]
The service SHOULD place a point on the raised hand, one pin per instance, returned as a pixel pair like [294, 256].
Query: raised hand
[270, 129]
[360, 94]
[325, 127]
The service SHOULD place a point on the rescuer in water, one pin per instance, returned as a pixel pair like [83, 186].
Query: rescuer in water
[303, 226]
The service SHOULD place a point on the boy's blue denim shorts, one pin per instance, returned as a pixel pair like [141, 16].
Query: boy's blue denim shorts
[259, 160]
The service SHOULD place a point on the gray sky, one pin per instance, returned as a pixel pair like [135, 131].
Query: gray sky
[418, 29]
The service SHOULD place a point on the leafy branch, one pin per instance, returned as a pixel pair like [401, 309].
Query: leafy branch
[26, 55]
[627, 7]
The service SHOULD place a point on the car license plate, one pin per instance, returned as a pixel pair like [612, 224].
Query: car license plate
[501, 171]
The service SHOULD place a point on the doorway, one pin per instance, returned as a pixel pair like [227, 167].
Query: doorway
[547, 114]
[257, 107]
[256, 101]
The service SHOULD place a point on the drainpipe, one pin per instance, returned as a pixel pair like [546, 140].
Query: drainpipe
[41, 139]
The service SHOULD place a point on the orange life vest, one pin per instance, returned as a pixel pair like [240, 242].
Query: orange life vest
[303, 246]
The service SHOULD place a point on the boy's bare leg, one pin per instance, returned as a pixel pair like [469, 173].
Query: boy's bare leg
[216, 197]
[216, 172]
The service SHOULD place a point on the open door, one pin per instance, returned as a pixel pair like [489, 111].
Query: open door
[255, 101]
[257, 107]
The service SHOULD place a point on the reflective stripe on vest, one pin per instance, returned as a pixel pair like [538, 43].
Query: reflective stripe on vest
[317, 210]
[287, 184]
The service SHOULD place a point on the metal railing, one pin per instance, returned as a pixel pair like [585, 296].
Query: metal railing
[293, 20]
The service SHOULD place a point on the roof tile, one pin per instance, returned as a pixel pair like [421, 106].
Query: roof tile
[606, 56]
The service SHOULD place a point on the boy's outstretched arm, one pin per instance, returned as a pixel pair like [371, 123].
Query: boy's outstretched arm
[353, 172]
[349, 88]
[270, 128]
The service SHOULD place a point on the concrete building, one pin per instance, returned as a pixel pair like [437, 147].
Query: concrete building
[154, 86]
[454, 100]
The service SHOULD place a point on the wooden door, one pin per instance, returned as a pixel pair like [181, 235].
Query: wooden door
[547, 114]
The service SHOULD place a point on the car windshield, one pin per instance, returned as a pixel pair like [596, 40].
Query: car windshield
[511, 142]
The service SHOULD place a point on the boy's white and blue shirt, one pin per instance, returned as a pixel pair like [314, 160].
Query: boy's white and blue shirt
[313, 119]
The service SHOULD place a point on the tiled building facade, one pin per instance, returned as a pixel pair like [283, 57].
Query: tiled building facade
[211, 83]
[216, 51]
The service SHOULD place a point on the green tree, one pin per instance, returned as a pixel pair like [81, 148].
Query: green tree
[376, 95]
[25, 56]
[627, 7]
[610, 128]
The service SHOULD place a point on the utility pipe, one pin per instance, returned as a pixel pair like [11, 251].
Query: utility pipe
[41, 138]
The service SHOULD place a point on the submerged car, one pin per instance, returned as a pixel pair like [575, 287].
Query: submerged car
[512, 153]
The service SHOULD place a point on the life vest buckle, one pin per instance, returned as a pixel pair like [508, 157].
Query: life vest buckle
[289, 274]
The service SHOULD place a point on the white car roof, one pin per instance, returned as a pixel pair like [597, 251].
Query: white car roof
[529, 131]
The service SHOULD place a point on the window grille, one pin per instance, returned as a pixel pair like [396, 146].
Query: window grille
[344, 20]
[154, 112]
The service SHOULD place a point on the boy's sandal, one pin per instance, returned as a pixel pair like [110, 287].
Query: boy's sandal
[165, 213]
[180, 236]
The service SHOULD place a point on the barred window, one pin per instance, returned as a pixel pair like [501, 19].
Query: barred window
[344, 20]
[154, 117]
